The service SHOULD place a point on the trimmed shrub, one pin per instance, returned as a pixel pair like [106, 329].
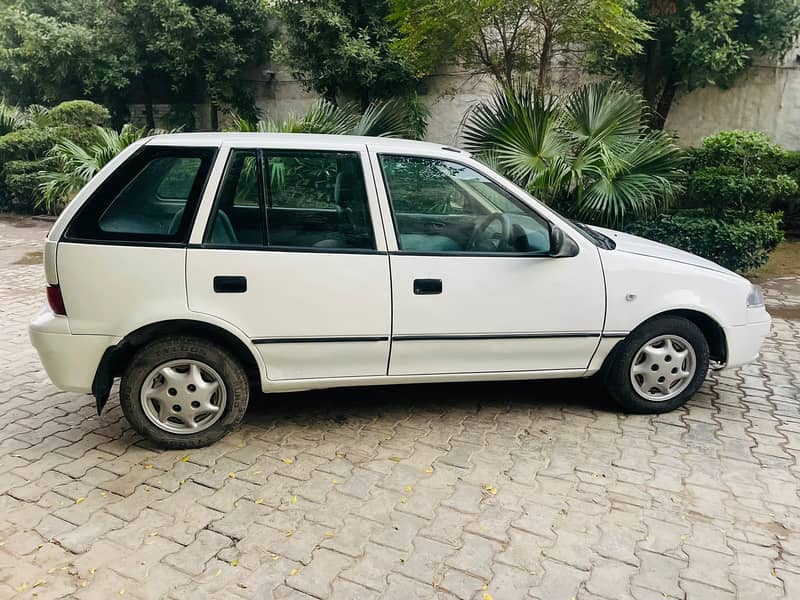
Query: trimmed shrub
[20, 185]
[79, 113]
[748, 151]
[725, 188]
[735, 242]
[26, 144]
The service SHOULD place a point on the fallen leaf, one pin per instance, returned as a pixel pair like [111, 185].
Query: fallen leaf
[334, 480]
[289, 533]
[242, 585]
[153, 533]
[329, 534]
[148, 466]
[122, 592]
[490, 488]
[428, 471]
[259, 501]
[293, 500]
[287, 460]
[395, 458]
[218, 573]
[181, 482]
[275, 557]
[21, 587]
[259, 472]
[232, 475]
[409, 489]
[79, 500]
[235, 563]
[92, 571]
[293, 572]
[488, 596]
[403, 500]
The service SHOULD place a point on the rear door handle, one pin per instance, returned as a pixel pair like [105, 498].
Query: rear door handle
[425, 287]
[230, 284]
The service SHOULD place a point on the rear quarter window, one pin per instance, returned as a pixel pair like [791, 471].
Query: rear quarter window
[151, 198]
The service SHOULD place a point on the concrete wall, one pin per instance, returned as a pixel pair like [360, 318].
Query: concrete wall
[766, 98]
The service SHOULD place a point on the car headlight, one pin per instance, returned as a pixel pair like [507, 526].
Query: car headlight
[755, 297]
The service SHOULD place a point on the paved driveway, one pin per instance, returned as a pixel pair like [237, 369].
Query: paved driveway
[452, 491]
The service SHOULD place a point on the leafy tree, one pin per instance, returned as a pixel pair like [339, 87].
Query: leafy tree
[508, 37]
[157, 49]
[344, 47]
[705, 42]
[587, 153]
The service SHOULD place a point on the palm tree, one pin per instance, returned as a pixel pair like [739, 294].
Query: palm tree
[389, 118]
[589, 153]
[11, 118]
[75, 165]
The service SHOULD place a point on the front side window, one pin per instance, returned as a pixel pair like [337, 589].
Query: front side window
[293, 199]
[150, 198]
[444, 206]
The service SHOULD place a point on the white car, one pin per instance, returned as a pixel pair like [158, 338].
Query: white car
[195, 266]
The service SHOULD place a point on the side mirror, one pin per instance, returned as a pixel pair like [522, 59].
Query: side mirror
[561, 246]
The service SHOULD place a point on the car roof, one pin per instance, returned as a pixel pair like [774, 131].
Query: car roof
[215, 138]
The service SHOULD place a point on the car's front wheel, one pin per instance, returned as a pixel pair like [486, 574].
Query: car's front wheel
[659, 366]
[184, 392]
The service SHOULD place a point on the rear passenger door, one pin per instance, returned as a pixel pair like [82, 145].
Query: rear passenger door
[293, 254]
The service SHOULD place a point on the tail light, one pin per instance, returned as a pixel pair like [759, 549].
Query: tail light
[56, 300]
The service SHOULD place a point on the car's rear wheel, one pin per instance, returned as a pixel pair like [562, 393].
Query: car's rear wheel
[184, 392]
[659, 366]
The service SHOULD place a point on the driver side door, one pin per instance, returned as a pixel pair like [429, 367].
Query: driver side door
[474, 289]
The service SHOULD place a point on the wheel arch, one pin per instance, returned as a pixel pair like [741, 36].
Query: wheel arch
[116, 358]
[708, 325]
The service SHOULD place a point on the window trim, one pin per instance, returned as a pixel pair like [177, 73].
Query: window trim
[263, 154]
[207, 155]
[401, 252]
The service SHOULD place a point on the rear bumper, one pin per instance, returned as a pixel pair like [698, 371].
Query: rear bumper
[70, 360]
[744, 341]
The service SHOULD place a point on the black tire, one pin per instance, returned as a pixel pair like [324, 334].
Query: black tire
[617, 374]
[155, 353]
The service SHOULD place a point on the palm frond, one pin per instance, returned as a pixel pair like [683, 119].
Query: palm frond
[384, 119]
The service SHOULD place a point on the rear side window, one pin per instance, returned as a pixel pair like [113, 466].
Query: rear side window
[152, 197]
[292, 199]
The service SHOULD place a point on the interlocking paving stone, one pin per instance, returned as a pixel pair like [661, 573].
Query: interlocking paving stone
[513, 490]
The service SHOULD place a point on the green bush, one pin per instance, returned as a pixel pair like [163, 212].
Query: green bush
[19, 187]
[79, 113]
[748, 151]
[26, 144]
[726, 188]
[735, 242]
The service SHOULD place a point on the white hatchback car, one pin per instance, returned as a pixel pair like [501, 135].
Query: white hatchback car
[196, 265]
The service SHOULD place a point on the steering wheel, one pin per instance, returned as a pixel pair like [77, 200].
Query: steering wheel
[483, 241]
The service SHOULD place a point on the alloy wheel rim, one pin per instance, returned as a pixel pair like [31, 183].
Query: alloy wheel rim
[663, 368]
[183, 396]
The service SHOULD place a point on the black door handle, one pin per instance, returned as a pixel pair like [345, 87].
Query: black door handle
[424, 287]
[230, 284]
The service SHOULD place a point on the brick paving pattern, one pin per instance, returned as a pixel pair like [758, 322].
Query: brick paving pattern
[522, 490]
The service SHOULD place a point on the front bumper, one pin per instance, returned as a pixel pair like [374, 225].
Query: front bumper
[744, 341]
[70, 360]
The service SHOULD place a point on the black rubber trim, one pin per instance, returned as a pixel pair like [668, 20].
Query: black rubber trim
[615, 334]
[298, 249]
[317, 340]
[496, 336]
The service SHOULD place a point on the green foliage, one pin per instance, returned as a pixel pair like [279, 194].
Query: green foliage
[109, 50]
[507, 37]
[704, 42]
[343, 47]
[587, 153]
[390, 118]
[20, 185]
[747, 151]
[726, 188]
[79, 113]
[72, 165]
[11, 118]
[740, 244]
[26, 144]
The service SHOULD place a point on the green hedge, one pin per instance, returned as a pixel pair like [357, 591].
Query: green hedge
[733, 241]
[748, 151]
[726, 188]
[26, 144]
[20, 185]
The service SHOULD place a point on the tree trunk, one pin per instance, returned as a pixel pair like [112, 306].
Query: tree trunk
[652, 73]
[545, 59]
[214, 116]
[659, 117]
